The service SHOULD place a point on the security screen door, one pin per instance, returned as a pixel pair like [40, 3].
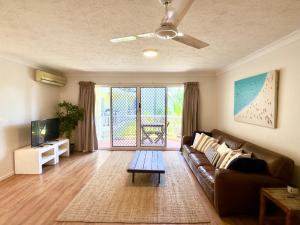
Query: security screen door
[138, 116]
[153, 116]
[124, 116]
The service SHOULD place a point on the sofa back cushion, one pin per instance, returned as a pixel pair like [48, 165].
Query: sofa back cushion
[278, 165]
[232, 142]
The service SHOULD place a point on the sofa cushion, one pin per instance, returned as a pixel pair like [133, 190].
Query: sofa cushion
[231, 141]
[278, 165]
[188, 149]
[208, 173]
[199, 159]
[248, 165]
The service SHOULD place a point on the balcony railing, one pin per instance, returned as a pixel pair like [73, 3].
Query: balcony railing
[125, 127]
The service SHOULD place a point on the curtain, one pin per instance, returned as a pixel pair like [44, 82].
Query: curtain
[87, 140]
[190, 115]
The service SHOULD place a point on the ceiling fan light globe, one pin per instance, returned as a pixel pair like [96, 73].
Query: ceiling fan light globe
[166, 31]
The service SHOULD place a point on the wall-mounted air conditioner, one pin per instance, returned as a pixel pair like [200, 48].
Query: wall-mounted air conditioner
[49, 78]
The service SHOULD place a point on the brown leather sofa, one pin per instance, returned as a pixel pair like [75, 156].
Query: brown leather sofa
[232, 192]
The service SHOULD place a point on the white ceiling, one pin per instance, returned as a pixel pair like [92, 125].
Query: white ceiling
[73, 35]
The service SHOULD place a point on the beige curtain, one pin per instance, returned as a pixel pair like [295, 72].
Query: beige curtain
[87, 129]
[190, 117]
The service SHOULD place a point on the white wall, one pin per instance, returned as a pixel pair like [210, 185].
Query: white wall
[22, 100]
[286, 138]
[206, 85]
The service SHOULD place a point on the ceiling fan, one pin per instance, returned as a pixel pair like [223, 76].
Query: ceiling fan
[175, 10]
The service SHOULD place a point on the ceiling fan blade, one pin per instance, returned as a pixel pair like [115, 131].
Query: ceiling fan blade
[191, 41]
[132, 37]
[176, 11]
[123, 39]
[145, 35]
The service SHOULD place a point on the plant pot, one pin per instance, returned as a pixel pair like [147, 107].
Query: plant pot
[72, 148]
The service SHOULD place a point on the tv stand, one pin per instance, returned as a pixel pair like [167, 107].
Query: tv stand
[30, 160]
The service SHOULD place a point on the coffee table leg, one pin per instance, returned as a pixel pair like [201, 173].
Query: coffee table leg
[132, 177]
[158, 178]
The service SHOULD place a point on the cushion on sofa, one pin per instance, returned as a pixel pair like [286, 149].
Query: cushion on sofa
[188, 149]
[248, 165]
[222, 150]
[208, 173]
[278, 165]
[212, 155]
[230, 156]
[199, 159]
[202, 142]
[231, 141]
[200, 132]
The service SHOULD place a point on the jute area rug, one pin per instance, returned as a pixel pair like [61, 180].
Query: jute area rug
[111, 197]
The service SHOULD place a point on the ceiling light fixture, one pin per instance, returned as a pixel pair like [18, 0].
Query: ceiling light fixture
[150, 53]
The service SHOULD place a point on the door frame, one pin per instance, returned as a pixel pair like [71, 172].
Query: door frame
[138, 86]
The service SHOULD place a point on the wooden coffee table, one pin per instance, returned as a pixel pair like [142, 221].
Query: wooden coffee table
[146, 161]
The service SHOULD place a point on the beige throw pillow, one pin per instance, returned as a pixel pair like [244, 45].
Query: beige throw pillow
[203, 142]
[196, 140]
[233, 154]
[222, 150]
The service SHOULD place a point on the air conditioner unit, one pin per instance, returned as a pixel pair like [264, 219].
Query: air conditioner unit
[49, 78]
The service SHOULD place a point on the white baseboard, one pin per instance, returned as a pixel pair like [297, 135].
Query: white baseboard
[7, 175]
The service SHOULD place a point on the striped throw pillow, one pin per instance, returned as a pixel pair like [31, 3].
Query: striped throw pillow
[212, 155]
[203, 142]
[238, 154]
[223, 150]
[233, 154]
[196, 140]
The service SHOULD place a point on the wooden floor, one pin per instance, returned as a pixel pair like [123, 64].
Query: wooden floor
[39, 199]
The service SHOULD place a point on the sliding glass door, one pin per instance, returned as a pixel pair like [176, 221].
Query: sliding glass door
[133, 117]
[153, 116]
[124, 116]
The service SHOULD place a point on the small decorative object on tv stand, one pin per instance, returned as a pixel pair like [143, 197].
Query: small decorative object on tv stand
[29, 160]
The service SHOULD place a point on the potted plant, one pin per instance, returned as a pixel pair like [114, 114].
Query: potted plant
[69, 115]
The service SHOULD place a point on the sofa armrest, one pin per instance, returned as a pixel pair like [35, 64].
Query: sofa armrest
[187, 140]
[236, 192]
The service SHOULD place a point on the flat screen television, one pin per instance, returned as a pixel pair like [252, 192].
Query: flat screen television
[43, 131]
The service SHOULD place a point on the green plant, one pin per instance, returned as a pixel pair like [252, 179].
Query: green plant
[69, 115]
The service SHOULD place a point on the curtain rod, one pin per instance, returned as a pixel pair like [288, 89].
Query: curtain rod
[138, 84]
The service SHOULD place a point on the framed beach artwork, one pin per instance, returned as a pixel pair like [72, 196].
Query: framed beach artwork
[255, 99]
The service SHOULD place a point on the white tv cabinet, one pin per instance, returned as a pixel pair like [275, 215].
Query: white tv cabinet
[29, 160]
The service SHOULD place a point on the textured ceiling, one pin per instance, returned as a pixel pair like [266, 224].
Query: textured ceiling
[73, 35]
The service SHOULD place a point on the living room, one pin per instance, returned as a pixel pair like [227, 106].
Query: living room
[151, 105]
